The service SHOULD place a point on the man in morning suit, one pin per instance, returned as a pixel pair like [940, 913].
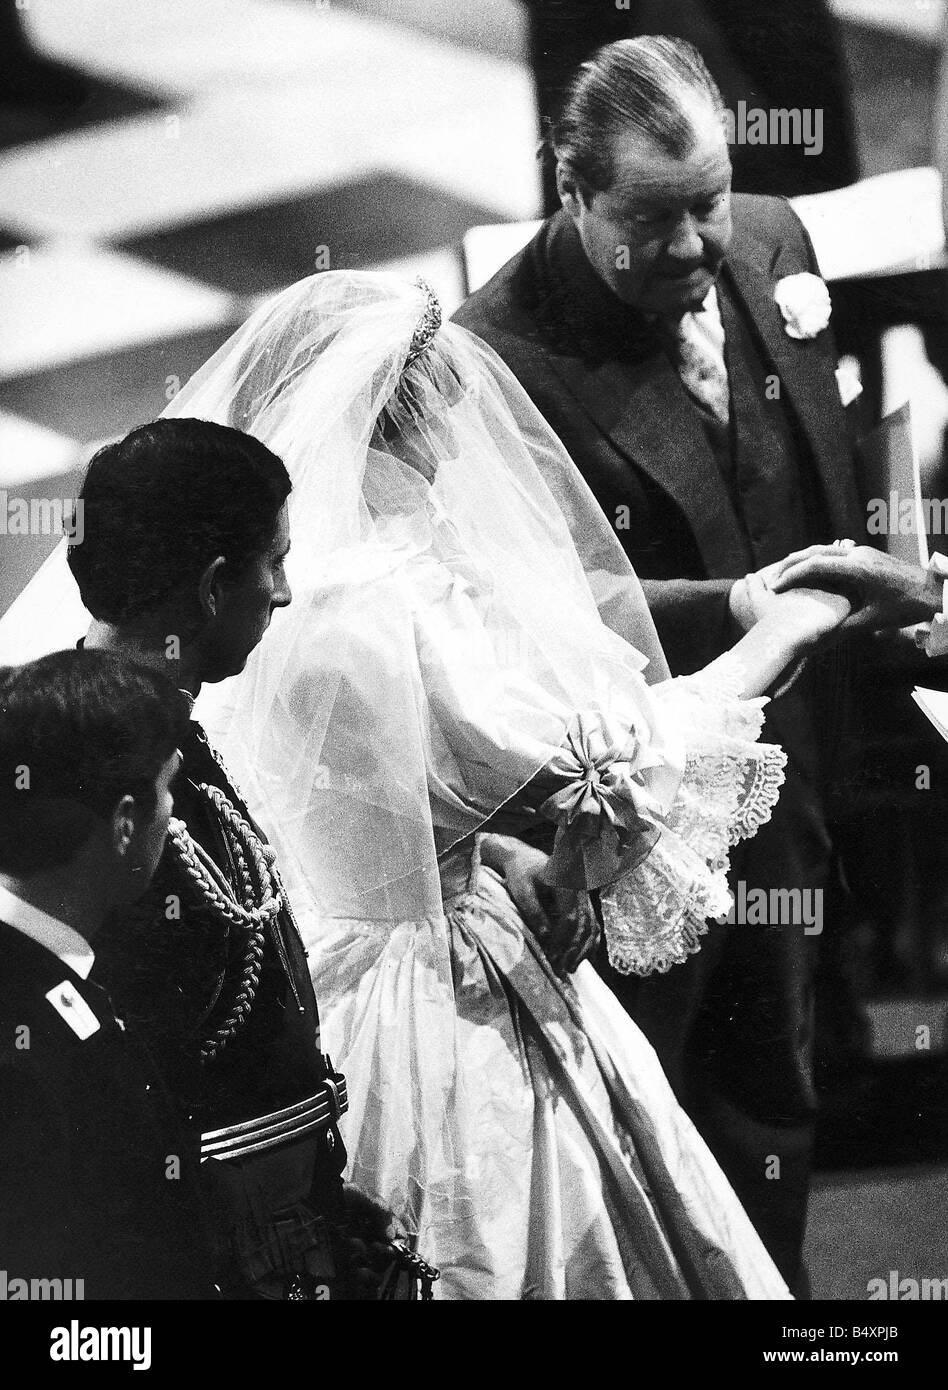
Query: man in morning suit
[642, 320]
[98, 1187]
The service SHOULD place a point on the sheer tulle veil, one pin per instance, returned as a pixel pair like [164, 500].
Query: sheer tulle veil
[334, 727]
[347, 729]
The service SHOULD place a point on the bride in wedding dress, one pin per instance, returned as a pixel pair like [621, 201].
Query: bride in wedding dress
[468, 650]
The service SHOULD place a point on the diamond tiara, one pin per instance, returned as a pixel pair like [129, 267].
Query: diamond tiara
[427, 325]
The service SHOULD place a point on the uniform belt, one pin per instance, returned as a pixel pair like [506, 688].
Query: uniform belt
[318, 1112]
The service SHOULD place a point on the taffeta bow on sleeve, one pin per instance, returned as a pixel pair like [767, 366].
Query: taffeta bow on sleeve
[606, 812]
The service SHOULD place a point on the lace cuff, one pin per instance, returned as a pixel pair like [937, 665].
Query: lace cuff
[655, 915]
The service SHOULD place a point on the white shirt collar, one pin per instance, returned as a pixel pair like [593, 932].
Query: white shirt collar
[71, 948]
[708, 318]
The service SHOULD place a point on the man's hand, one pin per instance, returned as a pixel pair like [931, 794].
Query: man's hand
[885, 592]
[562, 920]
[368, 1228]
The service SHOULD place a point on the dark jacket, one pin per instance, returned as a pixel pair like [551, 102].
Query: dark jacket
[89, 1143]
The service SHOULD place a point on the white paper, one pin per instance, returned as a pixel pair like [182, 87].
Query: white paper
[934, 705]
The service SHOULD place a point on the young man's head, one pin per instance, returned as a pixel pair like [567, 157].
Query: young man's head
[185, 537]
[644, 170]
[88, 750]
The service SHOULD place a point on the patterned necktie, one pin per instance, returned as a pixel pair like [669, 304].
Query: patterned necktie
[695, 343]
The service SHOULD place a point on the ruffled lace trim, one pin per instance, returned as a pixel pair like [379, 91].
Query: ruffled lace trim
[656, 915]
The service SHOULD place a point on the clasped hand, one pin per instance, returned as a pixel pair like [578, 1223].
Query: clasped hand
[563, 920]
[811, 612]
[885, 592]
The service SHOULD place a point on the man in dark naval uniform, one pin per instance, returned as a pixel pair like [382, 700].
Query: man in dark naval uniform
[181, 566]
[99, 1190]
[677, 340]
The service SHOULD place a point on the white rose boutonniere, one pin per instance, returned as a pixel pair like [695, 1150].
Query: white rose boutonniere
[805, 304]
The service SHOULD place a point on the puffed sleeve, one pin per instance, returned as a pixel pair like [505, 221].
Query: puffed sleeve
[648, 787]
[500, 733]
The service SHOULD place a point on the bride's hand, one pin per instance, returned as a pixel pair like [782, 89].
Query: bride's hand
[785, 633]
[562, 920]
[576, 932]
[751, 596]
[810, 621]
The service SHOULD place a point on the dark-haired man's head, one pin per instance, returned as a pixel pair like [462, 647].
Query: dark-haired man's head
[185, 538]
[644, 170]
[88, 750]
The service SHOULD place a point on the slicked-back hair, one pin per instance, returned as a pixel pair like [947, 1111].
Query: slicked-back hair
[79, 730]
[164, 502]
[645, 86]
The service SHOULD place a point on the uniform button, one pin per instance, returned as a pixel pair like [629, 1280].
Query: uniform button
[330, 1142]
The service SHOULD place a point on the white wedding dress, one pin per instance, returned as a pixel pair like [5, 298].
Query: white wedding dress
[521, 1124]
